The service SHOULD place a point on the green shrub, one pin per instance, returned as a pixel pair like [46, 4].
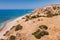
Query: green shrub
[50, 15]
[18, 27]
[27, 16]
[54, 7]
[26, 20]
[43, 27]
[40, 33]
[5, 33]
[56, 14]
[38, 16]
[43, 33]
[46, 33]
[33, 17]
[12, 37]
[36, 34]
[23, 18]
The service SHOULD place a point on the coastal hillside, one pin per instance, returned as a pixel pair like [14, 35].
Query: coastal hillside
[42, 24]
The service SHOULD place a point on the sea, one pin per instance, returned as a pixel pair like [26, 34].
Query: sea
[7, 15]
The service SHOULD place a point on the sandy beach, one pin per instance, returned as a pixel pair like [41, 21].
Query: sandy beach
[9, 25]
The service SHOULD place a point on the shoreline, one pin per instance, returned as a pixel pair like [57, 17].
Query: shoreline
[9, 25]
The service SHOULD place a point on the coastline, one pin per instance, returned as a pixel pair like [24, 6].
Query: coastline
[9, 25]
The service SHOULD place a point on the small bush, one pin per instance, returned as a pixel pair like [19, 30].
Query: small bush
[33, 17]
[38, 16]
[50, 15]
[43, 33]
[56, 14]
[43, 27]
[26, 20]
[38, 19]
[46, 33]
[18, 27]
[12, 37]
[23, 18]
[36, 34]
[40, 33]
[5, 33]
[54, 7]
[27, 16]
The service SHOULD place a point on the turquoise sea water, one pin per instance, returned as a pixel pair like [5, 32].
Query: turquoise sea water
[6, 15]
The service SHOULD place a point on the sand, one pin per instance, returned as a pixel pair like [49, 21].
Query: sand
[9, 25]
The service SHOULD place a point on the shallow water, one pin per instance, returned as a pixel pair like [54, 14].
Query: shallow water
[6, 15]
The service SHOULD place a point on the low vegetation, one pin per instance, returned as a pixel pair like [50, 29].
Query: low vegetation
[46, 12]
[52, 15]
[33, 16]
[18, 27]
[41, 32]
[5, 33]
[12, 37]
[43, 27]
[49, 15]
[38, 34]
[55, 14]
[38, 15]
[54, 7]
[27, 16]
[26, 19]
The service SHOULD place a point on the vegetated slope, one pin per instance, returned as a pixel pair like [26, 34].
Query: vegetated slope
[42, 24]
